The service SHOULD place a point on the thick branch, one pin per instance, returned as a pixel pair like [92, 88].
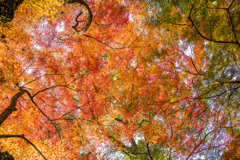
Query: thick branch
[88, 13]
[22, 136]
[12, 107]
[7, 9]
[134, 147]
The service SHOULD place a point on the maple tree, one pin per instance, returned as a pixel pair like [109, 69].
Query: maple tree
[151, 79]
[212, 66]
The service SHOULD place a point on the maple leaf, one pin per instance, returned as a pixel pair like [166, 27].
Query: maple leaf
[152, 80]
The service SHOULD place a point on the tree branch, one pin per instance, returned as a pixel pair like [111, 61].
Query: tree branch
[206, 38]
[24, 138]
[107, 46]
[12, 107]
[7, 9]
[191, 153]
[31, 98]
[149, 154]
[88, 13]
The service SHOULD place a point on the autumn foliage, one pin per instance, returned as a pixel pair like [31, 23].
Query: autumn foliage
[120, 79]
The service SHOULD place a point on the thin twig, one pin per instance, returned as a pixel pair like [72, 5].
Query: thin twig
[107, 46]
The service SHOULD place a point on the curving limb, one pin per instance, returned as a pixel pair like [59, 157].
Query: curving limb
[88, 13]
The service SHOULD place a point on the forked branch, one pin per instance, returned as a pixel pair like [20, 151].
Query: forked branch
[24, 138]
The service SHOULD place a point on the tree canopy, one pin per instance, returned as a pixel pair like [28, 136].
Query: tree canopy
[156, 79]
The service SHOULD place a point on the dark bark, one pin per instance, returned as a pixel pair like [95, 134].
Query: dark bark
[11, 108]
[7, 9]
[88, 13]
[6, 156]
